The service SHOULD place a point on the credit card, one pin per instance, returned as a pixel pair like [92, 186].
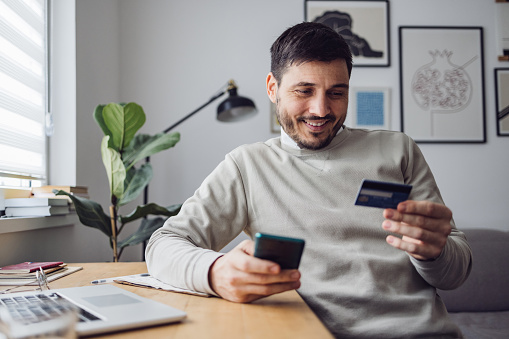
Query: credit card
[382, 194]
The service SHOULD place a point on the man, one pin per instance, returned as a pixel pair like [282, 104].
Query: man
[364, 272]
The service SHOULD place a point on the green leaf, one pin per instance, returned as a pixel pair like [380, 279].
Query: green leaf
[147, 227]
[114, 168]
[152, 208]
[135, 182]
[98, 117]
[90, 213]
[123, 122]
[145, 145]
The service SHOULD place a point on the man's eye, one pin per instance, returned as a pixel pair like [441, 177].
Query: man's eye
[337, 94]
[303, 91]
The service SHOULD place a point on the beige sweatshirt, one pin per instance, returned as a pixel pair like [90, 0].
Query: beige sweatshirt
[353, 280]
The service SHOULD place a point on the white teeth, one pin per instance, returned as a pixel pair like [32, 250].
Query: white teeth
[316, 124]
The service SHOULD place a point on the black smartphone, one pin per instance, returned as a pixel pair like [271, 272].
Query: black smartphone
[285, 251]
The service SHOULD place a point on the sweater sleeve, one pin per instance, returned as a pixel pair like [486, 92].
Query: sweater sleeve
[453, 266]
[181, 252]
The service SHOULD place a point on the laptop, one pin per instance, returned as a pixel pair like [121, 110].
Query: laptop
[103, 308]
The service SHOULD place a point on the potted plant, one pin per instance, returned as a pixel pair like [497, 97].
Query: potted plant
[122, 151]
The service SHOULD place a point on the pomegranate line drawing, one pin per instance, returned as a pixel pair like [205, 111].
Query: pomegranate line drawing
[442, 87]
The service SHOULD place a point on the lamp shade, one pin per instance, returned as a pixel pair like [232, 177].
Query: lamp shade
[235, 107]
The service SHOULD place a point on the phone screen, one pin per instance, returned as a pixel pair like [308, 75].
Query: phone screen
[285, 251]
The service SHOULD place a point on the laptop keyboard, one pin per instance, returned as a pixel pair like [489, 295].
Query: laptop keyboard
[39, 307]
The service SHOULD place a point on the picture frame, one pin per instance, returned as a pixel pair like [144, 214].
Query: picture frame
[502, 100]
[369, 108]
[442, 84]
[502, 31]
[364, 25]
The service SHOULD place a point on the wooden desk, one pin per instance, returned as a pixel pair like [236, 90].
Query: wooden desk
[280, 316]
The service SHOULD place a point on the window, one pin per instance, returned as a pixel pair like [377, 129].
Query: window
[23, 92]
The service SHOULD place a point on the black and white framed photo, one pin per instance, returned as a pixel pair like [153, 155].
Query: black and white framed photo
[502, 100]
[442, 84]
[364, 25]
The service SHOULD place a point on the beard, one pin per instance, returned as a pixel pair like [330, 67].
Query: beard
[316, 141]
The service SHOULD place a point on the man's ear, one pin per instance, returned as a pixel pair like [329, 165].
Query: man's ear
[271, 87]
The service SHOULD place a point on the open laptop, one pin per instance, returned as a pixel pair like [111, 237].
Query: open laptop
[103, 308]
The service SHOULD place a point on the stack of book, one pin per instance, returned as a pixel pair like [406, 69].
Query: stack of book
[25, 273]
[47, 191]
[28, 207]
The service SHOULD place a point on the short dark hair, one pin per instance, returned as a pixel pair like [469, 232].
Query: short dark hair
[308, 41]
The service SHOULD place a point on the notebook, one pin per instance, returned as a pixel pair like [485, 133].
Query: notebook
[104, 308]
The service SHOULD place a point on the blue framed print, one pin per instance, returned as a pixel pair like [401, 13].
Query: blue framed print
[369, 107]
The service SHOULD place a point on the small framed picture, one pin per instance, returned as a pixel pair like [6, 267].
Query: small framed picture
[503, 31]
[363, 24]
[369, 107]
[442, 84]
[502, 100]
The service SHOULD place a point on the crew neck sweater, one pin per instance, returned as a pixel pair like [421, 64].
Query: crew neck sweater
[357, 284]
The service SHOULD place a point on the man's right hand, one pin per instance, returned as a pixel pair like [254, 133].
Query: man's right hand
[240, 277]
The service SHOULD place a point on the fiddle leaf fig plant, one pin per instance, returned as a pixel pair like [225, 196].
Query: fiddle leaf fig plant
[122, 149]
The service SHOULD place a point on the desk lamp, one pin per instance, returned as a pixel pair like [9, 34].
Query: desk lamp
[232, 109]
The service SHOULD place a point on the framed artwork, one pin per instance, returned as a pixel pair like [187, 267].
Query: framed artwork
[369, 107]
[442, 84]
[363, 24]
[503, 31]
[502, 100]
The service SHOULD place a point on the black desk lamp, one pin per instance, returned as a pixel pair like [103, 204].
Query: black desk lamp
[234, 108]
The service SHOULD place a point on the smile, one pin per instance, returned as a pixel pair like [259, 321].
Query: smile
[316, 124]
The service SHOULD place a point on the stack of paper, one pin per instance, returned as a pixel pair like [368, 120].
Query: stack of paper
[26, 207]
[145, 280]
[25, 273]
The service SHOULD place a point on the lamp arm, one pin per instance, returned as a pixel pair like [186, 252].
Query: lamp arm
[215, 97]
[218, 95]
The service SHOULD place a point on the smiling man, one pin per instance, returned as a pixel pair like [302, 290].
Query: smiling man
[365, 272]
[312, 102]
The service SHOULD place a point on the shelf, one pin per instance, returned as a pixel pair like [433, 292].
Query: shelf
[20, 224]
[503, 58]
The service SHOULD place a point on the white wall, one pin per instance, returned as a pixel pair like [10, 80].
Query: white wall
[98, 41]
[63, 93]
[172, 56]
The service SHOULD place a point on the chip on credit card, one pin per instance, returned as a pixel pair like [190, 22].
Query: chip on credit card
[382, 194]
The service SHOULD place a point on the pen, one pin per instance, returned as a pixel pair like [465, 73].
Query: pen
[109, 280]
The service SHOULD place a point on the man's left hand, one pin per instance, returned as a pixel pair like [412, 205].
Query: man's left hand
[424, 227]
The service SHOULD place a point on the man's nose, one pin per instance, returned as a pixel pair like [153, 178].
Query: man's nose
[319, 105]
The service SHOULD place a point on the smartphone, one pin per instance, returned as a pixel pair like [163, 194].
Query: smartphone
[285, 251]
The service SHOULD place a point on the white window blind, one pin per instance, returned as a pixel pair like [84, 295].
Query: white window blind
[23, 82]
